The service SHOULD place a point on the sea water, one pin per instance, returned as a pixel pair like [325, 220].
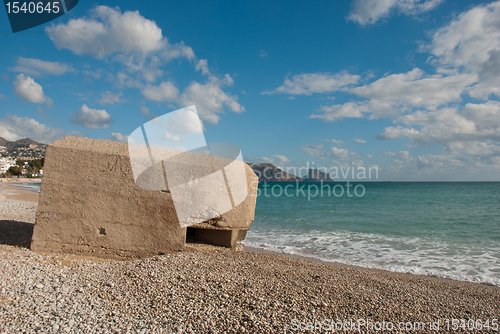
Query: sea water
[34, 186]
[445, 229]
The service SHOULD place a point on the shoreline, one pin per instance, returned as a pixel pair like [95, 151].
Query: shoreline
[11, 191]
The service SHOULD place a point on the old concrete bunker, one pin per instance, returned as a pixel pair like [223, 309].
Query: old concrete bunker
[90, 204]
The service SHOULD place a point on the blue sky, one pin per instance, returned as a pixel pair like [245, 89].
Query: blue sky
[411, 87]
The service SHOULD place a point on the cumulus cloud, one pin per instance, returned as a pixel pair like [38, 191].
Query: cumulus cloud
[37, 67]
[275, 159]
[210, 99]
[146, 111]
[467, 130]
[119, 137]
[106, 32]
[27, 89]
[416, 89]
[320, 152]
[185, 122]
[471, 43]
[109, 98]
[13, 127]
[170, 137]
[466, 56]
[166, 91]
[335, 141]
[467, 40]
[128, 37]
[338, 111]
[139, 45]
[122, 80]
[366, 12]
[342, 153]
[397, 93]
[202, 66]
[310, 83]
[92, 118]
[315, 151]
[360, 141]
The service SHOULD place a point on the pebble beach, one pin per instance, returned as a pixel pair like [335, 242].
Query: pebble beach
[207, 289]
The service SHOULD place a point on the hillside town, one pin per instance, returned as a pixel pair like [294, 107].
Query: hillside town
[21, 158]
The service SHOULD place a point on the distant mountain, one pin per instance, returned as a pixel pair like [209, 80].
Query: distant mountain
[315, 175]
[25, 148]
[271, 173]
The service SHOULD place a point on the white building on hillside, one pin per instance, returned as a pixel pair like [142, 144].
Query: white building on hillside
[5, 164]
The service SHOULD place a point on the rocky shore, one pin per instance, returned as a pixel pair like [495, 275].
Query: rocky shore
[207, 289]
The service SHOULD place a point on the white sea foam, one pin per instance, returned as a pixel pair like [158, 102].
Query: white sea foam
[404, 254]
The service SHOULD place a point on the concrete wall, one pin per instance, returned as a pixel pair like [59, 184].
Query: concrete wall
[89, 204]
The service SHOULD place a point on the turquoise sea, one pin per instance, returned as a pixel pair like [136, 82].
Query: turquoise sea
[448, 229]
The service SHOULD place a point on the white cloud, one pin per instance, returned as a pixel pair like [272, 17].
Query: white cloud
[166, 91]
[96, 75]
[315, 151]
[396, 132]
[263, 54]
[185, 122]
[335, 141]
[128, 37]
[405, 155]
[275, 160]
[366, 12]
[310, 83]
[414, 88]
[27, 89]
[360, 141]
[202, 66]
[109, 98]
[146, 111]
[466, 131]
[13, 127]
[210, 99]
[119, 137]
[122, 80]
[36, 67]
[397, 93]
[177, 51]
[319, 152]
[342, 153]
[92, 118]
[471, 43]
[170, 137]
[107, 32]
[468, 39]
[339, 111]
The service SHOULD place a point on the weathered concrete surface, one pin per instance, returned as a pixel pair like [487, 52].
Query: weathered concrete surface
[89, 204]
